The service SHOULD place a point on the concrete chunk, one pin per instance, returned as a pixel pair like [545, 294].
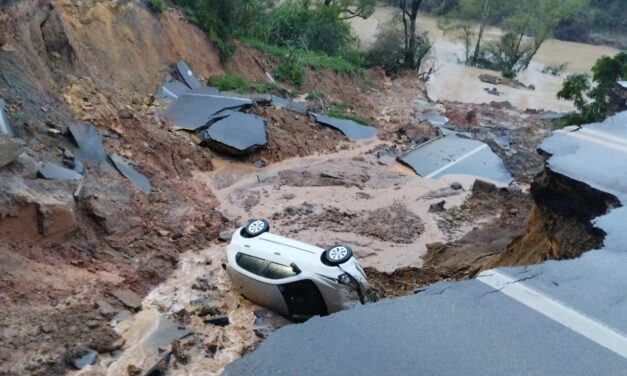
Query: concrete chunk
[192, 111]
[139, 181]
[4, 123]
[350, 128]
[89, 143]
[53, 171]
[237, 134]
[187, 75]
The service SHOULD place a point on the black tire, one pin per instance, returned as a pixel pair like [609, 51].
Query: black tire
[255, 228]
[338, 254]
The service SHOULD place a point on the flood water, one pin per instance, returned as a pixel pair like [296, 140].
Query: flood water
[455, 81]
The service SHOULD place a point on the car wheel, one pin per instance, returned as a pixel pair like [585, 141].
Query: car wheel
[338, 254]
[256, 227]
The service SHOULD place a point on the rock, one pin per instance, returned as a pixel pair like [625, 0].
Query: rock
[262, 178]
[225, 235]
[456, 186]
[47, 328]
[209, 310]
[513, 211]
[84, 359]
[133, 370]
[105, 309]
[437, 207]
[9, 150]
[481, 186]
[202, 285]
[218, 321]
[260, 163]
[128, 298]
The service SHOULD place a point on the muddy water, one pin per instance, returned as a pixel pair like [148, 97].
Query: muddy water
[454, 81]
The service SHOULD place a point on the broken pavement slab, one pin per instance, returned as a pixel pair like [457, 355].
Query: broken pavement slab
[9, 150]
[299, 108]
[435, 119]
[351, 129]
[138, 180]
[187, 75]
[52, 171]
[171, 88]
[237, 134]
[5, 128]
[89, 143]
[193, 111]
[128, 298]
[451, 154]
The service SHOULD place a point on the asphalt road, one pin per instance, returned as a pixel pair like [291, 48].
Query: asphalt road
[556, 318]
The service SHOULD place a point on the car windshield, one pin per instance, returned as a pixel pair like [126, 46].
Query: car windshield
[264, 268]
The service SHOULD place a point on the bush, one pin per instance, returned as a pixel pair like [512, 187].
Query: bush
[387, 51]
[157, 5]
[290, 70]
[239, 84]
[305, 25]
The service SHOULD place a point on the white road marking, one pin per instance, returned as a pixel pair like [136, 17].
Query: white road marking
[588, 327]
[606, 140]
[168, 91]
[456, 161]
[604, 136]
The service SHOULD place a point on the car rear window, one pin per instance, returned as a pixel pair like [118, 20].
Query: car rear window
[278, 271]
[252, 264]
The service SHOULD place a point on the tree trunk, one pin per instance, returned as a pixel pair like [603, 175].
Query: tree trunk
[411, 40]
[484, 21]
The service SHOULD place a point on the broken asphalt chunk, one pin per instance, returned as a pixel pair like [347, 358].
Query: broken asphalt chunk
[85, 359]
[53, 171]
[351, 129]
[89, 143]
[192, 111]
[4, 123]
[237, 134]
[451, 154]
[138, 180]
[128, 298]
[187, 75]
[9, 150]
[171, 88]
[299, 108]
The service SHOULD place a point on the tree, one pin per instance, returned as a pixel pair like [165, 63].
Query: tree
[409, 9]
[353, 8]
[592, 102]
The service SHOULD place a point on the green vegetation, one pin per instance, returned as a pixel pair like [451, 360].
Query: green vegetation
[343, 112]
[239, 84]
[527, 25]
[592, 98]
[315, 60]
[157, 5]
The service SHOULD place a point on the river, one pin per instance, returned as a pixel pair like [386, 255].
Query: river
[457, 82]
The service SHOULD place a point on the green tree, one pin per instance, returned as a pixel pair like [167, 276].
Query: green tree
[591, 101]
[353, 8]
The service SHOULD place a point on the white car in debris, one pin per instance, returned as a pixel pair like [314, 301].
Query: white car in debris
[295, 279]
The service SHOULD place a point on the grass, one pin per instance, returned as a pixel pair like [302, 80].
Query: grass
[239, 84]
[341, 112]
[315, 60]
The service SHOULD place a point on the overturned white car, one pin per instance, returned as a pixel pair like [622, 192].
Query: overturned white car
[295, 279]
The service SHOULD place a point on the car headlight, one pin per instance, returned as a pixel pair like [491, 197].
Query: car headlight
[348, 280]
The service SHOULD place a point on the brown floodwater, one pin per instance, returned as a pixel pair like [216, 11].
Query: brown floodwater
[455, 81]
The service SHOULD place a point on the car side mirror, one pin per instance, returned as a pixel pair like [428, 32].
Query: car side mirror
[295, 268]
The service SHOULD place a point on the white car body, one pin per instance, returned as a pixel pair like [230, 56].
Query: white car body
[287, 290]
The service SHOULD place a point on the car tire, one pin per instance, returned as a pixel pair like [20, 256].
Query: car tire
[256, 227]
[338, 254]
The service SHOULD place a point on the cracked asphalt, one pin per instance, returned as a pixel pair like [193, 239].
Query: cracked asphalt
[556, 318]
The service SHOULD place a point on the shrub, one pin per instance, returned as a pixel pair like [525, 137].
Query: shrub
[290, 70]
[239, 84]
[387, 51]
[157, 5]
